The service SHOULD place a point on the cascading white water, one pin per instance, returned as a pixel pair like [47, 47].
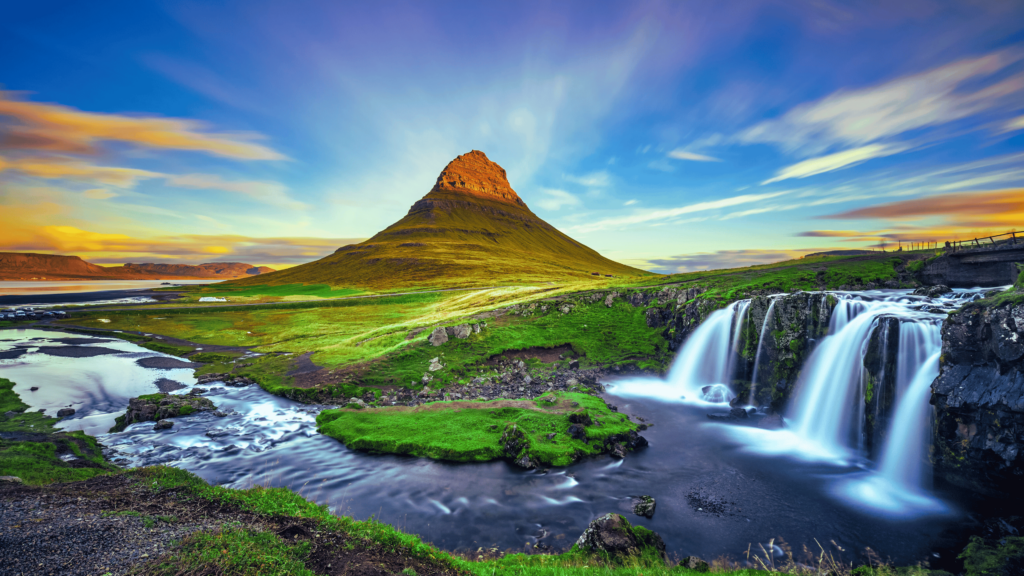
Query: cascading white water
[705, 365]
[737, 332]
[900, 485]
[826, 413]
[908, 435]
[760, 346]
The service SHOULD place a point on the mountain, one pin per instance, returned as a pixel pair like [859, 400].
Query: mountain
[211, 270]
[30, 266]
[471, 229]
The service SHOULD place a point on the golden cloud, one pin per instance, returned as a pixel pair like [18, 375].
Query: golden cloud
[962, 215]
[98, 194]
[997, 205]
[192, 249]
[59, 167]
[60, 128]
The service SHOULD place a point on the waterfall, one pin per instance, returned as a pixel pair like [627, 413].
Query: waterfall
[737, 335]
[826, 415]
[831, 383]
[705, 365]
[905, 454]
[760, 346]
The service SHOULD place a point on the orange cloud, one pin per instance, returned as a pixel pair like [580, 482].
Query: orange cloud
[994, 206]
[55, 127]
[194, 249]
[54, 167]
[962, 215]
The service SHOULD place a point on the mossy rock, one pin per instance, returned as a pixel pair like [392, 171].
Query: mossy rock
[154, 407]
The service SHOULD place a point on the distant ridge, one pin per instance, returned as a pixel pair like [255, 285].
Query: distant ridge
[840, 253]
[31, 266]
[471, 229]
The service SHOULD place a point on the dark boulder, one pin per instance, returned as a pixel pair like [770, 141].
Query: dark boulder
[163, 425]
[979, 401]
[614, 538]
[516, 447]
[64, 412]
[695, 564]
[932, 291]
[644, 506]
[581, 418]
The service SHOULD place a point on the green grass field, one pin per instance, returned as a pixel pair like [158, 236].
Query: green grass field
[471, 431]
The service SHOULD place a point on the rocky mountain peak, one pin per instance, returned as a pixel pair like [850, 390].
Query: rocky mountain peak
[475, 174]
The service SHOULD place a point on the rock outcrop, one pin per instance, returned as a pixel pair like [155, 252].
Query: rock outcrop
[979, 400]
[442, 334]
[157, 407]
[613, 537]
[474, 173]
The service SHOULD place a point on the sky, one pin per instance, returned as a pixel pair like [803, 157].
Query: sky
[672, 136]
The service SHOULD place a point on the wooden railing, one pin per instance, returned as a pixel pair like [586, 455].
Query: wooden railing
[977, 243]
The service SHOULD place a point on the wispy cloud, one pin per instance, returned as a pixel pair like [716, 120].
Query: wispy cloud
[680, 154]
[267, 192]
[554, 199]
[997, 203]
[593, 180]
[938, 96]
[1015, 124]
[650, 216]
[65, 129]
[629, 202]
[834, 161]
[722, 259]
[60, 167]
[98, 194]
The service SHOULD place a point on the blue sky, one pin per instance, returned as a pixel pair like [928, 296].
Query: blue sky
[668, 135]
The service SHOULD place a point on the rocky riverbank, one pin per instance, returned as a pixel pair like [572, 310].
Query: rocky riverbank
[979, 400]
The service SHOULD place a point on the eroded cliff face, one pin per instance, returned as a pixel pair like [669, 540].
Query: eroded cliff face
[979, 400]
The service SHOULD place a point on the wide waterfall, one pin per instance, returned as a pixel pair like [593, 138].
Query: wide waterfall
[826, 418]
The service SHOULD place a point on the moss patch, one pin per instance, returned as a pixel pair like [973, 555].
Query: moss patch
[472, 431]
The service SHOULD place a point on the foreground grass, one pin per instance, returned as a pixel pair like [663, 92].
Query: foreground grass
[36, 461]
[472, 431]
[236, 551]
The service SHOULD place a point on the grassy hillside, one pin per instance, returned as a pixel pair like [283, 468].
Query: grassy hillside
[381, 341]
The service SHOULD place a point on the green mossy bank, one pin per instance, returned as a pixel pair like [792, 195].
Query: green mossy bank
[31, 446]
[553, 430]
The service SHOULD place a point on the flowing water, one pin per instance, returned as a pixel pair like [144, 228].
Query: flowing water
[718, 487]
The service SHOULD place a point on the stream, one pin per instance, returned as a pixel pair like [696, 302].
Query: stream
[720, 487]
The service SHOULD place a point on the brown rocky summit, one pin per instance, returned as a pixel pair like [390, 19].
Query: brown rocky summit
[473, 173]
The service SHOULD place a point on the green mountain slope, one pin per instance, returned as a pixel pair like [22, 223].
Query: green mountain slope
[472, 229]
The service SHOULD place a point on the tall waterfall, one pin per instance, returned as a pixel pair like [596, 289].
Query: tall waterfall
[705, 365]
[760, 347]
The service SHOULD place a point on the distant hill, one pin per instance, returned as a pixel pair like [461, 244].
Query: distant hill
[840, 253]
[471, 229]
[30, 266]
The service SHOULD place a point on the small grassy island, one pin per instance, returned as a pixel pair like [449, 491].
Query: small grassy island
[556, 429]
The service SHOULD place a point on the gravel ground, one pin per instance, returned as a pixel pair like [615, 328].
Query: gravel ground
[67, 536]
[44, 533]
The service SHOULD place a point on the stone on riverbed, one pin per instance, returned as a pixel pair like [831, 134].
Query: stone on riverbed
[156, 407]
[64, 412]
[163, 425]
[644, 506]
